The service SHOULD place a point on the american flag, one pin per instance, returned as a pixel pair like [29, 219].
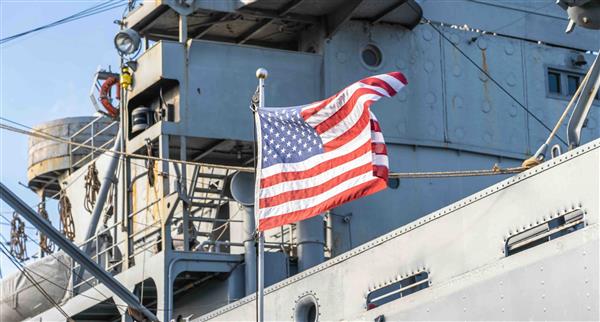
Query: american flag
[321, 155]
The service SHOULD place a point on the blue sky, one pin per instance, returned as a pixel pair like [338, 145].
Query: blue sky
[44, 76]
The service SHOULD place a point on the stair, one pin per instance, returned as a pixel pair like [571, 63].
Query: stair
[207, 196]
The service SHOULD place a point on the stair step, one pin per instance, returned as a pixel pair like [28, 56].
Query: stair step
[205, 205]
[211, 176]
[201, 198]
[208, 190]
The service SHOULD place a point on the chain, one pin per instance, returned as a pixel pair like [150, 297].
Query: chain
[92, 186]
[46, 245]
[18, 239]
[150, 163]
[66, 217]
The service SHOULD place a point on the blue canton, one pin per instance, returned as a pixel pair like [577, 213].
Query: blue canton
[286, 138]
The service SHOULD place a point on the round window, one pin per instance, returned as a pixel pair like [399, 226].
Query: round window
[371, 56]
[306, 309]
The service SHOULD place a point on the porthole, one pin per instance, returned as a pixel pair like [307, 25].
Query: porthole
[307, 309]
[371, 56]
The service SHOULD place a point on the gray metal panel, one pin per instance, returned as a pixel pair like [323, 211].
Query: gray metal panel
[540, 20]
[463, 238]
[537, 58]
[416, 113]
[557, 281]
[383, 212]
[479, 113]
[222, 81]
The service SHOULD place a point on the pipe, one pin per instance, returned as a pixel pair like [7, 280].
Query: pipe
[249, 250]
[74, 252]
[103, 194]
[311, 242]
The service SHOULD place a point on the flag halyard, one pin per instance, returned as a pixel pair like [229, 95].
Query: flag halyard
[318, 156]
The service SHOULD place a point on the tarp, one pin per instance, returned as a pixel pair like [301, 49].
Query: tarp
[20, 299]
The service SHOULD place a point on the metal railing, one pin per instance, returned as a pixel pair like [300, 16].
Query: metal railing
[89, 135]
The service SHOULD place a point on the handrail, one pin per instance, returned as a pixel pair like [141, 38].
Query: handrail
[88, 138]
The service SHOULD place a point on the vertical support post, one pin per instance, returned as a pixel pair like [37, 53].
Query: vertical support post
[183, 30]
[310, 242]
[249, 250]
[183, 187]
[261, 74]
[261, 276]
[163, 153]
[93, 133]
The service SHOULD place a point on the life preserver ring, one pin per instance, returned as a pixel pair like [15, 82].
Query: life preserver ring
[105, 95]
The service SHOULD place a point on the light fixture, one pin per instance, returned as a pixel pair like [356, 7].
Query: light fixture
[127, 41]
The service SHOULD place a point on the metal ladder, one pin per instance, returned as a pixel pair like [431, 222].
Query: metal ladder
[207, 195]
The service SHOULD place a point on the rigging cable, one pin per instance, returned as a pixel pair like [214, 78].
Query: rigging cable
[466, 173]
[430, 23]
[69, 268]
[102, 7]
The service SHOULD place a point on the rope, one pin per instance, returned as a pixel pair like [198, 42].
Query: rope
[92, 186]
[18, 239]
[66, 217]
[46, 245]
[496, 170]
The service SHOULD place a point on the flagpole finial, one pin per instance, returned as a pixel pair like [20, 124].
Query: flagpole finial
[262, 73]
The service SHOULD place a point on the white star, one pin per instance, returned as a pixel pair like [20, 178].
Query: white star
[282, 150]
[289, 155]
[289, 143]
[300, 141]
[294, 136]
[294, 148]
[283, 139]
[309, 149]
[315, 142]
[266, 136]
[266, 159]
[299, 152]
[271, 130]
[271, 141]
[277, 146]
[277, 134]
[270, 151]
[304, 145]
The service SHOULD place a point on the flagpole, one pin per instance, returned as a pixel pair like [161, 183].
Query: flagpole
[261, 74]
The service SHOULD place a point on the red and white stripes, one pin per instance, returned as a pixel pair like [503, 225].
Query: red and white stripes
[353, 162]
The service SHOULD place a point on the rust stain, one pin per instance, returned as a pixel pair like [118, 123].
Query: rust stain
[485, 67]
[133, 201]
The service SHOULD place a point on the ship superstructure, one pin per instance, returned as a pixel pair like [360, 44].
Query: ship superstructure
[170, 219]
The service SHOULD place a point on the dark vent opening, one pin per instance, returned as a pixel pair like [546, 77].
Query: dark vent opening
[546, 231]
[397, 290]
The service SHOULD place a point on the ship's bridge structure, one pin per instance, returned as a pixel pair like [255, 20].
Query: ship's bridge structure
[174, 229]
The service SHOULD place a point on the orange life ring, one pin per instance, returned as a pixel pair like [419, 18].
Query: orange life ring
[105, 95]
